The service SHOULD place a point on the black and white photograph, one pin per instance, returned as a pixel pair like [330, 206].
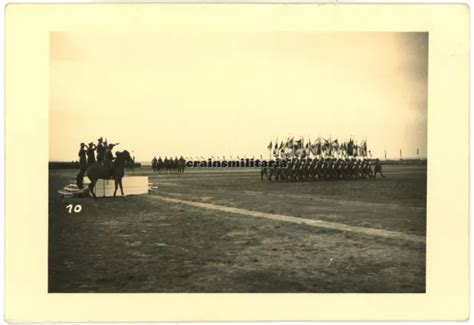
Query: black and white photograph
[237, 162]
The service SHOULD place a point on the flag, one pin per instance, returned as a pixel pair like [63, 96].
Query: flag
[290, 143]
[363, 148]
[350, 147]
[299, 144]
[313, 149]
[270, 145]
[335, 145]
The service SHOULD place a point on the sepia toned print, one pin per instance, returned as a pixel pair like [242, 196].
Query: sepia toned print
[279, 162]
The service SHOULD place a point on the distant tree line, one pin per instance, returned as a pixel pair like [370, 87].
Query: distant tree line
[75, 165]
[421, 162]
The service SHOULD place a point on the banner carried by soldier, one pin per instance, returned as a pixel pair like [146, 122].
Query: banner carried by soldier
[320, 147]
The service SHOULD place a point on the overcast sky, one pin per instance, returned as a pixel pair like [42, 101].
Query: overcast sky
[214, 94]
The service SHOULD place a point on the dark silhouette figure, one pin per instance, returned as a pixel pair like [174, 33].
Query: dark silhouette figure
[98, 171]
[82, 165]
[100, 151]
[109, 156]
[91, 154]
[378, 169]
[181, 165]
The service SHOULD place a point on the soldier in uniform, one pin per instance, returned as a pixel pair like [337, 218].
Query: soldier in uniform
[175, 165]
[153, 163]
[109, 157]
[182, 164]
[82, 157]
[91, 154]
[378, 168]
[166, 164]
[82, 165]
[159, 164]
[100, 151]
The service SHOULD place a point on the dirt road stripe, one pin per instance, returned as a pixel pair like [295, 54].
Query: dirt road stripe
[316, 223]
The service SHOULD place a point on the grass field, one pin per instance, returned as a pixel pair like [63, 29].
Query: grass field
[150, 244]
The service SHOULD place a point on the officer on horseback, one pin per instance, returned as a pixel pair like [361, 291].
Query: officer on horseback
[109, 157]
[91, 154]
[100, 150]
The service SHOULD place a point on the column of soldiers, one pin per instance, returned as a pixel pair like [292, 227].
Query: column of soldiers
[168, 165]
[323, 160]
[318, 169]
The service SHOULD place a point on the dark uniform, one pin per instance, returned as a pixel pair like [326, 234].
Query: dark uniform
[378, 169]
[91, 154]
[109, 156]
[82, 165]
[82, 157]
[100, 151]
[182, 164]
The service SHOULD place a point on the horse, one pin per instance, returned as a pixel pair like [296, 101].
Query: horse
[98, 171]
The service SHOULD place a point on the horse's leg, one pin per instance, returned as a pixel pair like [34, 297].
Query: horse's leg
[79, 180]
[116, 186]
[121, 186]
[91, 187]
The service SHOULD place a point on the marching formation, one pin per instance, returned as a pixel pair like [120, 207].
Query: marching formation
[322, 159]
[319, 169]
[175, 166]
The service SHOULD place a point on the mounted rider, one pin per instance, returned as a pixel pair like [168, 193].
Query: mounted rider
[109, 157]
[91, 154]
[100, 150]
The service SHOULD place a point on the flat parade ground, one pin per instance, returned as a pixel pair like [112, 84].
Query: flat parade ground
[164, 242]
